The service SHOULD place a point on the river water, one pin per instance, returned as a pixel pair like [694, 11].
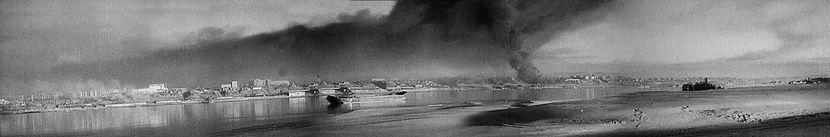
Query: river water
[437, 112]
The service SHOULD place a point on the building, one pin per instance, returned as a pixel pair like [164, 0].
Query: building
[157, 87]
[276, 83]
[296, 94]
[258, 83]
[226, 87]
[234, 85]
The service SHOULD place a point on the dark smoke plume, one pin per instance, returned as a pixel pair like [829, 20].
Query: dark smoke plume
[419, 38]
[506, 34]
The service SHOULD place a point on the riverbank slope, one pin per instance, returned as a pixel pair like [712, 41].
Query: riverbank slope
[760, 111]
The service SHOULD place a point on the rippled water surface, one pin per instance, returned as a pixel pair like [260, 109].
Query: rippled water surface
[420, 111]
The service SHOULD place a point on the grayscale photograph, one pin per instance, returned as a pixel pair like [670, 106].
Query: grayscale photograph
[414, 68]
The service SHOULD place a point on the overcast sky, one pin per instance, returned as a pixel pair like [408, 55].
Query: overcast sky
[666, 36]
[685, 31]
[39, 34]
[775, 37]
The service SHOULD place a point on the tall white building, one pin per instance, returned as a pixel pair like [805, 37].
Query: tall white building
[157, 86]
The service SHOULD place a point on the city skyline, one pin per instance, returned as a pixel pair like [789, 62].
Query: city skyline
[334, 68]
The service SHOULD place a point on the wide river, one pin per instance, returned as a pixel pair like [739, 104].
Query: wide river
[439, 113]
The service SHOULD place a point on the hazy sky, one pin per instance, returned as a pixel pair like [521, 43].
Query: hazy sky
[685, 31]
[661, 34]
[39, 34]
[666, 37]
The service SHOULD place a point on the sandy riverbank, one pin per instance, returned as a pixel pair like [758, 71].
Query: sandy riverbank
[759, 111]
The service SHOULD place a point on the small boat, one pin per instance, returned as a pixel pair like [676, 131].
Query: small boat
[334, 100]
[398, 93]
[705, 85]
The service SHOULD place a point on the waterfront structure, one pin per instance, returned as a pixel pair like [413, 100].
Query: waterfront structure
[572, 80]
[296, 94]
[157, 87]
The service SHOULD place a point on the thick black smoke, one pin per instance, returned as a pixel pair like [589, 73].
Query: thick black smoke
[506, 34]
[419, 38]
[507, 22]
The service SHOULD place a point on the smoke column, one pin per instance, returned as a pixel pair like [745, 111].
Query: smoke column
[507, 35]
[561, 16]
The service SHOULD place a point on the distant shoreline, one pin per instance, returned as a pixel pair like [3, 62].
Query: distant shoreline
[178, 102]
[90, 106]
[141, 104]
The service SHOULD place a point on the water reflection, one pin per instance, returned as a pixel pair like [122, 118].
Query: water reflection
[234, 115]
[512, 95]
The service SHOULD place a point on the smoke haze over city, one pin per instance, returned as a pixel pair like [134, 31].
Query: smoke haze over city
[60, 45]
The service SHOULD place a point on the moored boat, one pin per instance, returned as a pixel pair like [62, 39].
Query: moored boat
[705, 85]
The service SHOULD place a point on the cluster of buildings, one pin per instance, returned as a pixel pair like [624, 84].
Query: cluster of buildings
[611, 78]
[254, 84]
[152, 88]
[408, 84]
[586, 78]
[268, 86]
[377, 84]
[811, 81]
